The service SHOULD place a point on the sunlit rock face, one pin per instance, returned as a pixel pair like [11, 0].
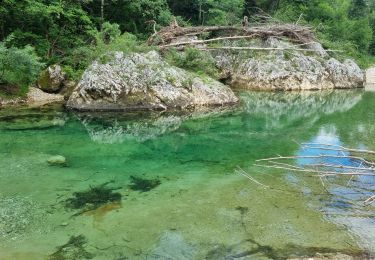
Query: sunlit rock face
[280, 109]
[287, 69]
[145, 82]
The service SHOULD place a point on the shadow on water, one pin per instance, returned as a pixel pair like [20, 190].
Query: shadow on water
[93, 198]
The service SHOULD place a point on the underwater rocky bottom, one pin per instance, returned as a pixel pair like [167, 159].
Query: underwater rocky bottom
[166, 185]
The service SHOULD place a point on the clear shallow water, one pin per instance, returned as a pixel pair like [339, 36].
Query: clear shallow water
[202, 208]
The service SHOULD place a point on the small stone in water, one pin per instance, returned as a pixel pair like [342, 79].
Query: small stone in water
[57, 160]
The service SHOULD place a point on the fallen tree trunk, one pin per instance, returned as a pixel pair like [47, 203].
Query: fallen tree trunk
[264, 49]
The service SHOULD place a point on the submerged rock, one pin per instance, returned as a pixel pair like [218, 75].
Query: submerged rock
[57, 160]
[172, 245]
[145, 82]
[312, 69]
[34, 118]
[73, 249]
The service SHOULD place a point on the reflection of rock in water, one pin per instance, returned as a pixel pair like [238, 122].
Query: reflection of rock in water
[111, 128]
[118, 131]
[280, 109]
[34, 118]
[18, 216]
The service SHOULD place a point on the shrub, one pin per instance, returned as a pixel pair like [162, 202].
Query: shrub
[110, 32]
[193, 60]
[18, 66]
[80, 58]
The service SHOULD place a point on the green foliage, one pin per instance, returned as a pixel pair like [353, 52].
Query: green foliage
[224, 12]
[209, 12]
[52, 27]
[134, 16]
[110, 32]
[80, 58]
[340, 24]
[18, 66]
[193, 60]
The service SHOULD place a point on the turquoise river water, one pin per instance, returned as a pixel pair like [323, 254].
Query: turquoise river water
[173, 184]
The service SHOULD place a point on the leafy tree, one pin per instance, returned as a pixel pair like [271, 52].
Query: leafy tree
[53, 27]
[224, 12]
[358, 9]
[219, 12]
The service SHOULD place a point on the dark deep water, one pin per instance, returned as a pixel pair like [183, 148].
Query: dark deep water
[171, 181]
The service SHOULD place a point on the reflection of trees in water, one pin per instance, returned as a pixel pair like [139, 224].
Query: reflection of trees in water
[280, 109]
[358, 128]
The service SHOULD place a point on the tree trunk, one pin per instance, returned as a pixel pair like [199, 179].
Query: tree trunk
[102, 13]
[200, 12]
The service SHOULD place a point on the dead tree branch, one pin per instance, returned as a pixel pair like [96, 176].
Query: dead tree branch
[297, 33]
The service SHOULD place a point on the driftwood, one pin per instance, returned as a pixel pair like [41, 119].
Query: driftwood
[294, 32]
[361, 166]
[263, 49]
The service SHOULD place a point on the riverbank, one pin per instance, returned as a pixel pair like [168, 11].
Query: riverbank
[370, 79]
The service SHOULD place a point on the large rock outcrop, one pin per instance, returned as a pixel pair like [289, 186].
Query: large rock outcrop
[287, 69]
[144, 82]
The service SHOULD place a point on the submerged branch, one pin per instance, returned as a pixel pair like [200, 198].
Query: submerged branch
[322, 169]
[369, 200]
[243, 173]
[318, 156]
[338, 148]
[324, 173]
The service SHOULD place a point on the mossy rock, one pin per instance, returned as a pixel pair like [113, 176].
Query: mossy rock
[51, 79]
[57, 160]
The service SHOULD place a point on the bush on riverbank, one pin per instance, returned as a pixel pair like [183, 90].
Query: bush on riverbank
[19, 67]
